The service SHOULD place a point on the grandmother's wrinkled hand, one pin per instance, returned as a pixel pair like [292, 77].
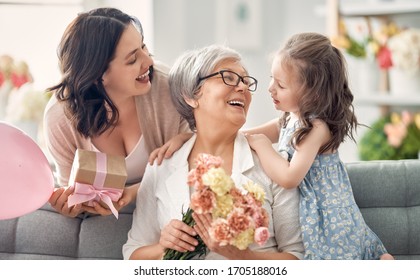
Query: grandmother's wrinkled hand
[203, 223]
[178, 236]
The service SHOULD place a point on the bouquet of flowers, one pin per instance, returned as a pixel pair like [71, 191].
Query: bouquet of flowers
[367, 43]
[392, 137]
[26, 104]
[238, 216]
[405, 50]
[361, 45]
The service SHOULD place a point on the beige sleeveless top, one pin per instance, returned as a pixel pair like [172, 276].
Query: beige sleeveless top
[135, 162]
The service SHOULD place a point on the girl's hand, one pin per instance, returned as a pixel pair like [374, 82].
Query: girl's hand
[58, 201]
[203, 223]
[170, 147]
[258, 140]
[178, 236]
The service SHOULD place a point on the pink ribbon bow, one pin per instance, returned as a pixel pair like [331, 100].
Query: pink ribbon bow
[86, 192]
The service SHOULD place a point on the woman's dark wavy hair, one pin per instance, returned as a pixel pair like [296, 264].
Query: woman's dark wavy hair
[85, 51]
[325, 93]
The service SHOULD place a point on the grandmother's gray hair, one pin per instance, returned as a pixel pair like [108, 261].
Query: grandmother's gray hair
[186, 71]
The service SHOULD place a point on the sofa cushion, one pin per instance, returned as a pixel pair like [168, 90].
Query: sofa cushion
[388, 195]
[387, 192]
[42, 234]
[103, 237]
[45, 234]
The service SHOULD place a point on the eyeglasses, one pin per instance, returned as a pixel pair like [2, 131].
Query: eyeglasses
[231, 78]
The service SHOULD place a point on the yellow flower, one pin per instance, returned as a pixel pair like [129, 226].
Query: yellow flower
[224, 205]
[341, 42]
[417, 120]
[243, 239]
[392, 29]
[256, 190]
[395, 118]
[218, 181]
[373, 47]
[342, 29]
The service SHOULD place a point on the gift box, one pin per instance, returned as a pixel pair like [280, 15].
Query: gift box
[97, 176]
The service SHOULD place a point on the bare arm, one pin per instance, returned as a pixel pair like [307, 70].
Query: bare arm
[151, 252]
[285, 174]
[270, 129]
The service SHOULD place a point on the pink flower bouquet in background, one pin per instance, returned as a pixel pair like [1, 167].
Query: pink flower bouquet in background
[238, 216]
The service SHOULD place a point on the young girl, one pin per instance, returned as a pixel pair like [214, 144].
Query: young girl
[309, 84]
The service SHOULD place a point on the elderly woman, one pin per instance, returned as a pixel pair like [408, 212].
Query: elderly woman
[211, 89]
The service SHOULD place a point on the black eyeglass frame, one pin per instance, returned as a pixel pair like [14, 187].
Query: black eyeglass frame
[241, 78]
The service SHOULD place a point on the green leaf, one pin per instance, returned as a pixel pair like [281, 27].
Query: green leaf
[374, 143]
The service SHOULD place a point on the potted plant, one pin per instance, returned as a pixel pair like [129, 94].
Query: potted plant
[404, 51]
[365, 52]
[392, 137]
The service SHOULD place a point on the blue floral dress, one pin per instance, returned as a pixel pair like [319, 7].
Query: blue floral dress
[332, 225]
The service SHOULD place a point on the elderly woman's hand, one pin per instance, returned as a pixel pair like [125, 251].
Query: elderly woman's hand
[178, 236]
[203, 223]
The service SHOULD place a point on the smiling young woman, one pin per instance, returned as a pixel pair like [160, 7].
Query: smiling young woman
[112, 98]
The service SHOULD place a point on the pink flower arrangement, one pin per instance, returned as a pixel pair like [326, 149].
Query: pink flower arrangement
[399, 128]
[380, 45]
[238, 216]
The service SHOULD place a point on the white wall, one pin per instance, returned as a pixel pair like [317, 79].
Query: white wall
[181, 24]
[32, 33]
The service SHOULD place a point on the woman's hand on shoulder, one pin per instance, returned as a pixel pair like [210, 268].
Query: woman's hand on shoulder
[170, 147]
[59, 201]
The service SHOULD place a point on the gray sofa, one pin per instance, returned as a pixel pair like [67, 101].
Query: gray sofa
[388, 193]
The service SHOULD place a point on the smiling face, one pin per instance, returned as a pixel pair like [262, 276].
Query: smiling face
[284, 87]
[128, 73]
[221, 103]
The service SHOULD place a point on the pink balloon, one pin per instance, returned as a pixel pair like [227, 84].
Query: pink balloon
[26, 178]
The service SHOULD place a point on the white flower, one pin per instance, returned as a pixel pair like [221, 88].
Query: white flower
[26, 104]
[405, 50]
